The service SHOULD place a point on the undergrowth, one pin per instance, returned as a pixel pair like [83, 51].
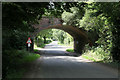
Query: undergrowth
[70, 50]
[14, 62]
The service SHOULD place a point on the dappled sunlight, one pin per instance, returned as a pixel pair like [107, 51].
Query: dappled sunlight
[31, 32]
[52, 49]
[68, 58]
[56, 62]
[55, 59]
[55, 51]
[54, 46]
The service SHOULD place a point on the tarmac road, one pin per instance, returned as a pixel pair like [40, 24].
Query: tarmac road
[54, 63]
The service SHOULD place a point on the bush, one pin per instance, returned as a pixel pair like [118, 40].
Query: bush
[98, 54]
[70, 50]
[41, 44]
[13, 61]
[48, 41]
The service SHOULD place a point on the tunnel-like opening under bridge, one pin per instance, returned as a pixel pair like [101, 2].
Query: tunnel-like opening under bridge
[79, 35]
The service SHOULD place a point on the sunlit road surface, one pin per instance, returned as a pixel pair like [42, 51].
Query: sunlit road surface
[54, 47]
[54, 63]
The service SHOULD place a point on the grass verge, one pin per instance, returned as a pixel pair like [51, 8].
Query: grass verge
[97, 58]
[70, 50]
[17, 64]
[89, 58]
[112, 64]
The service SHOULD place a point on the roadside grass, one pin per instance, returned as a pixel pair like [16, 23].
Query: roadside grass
[99, 57]
[70, 50]
[89, 58]
[18, 73]
[36, 50]
[41, 44]
[30, 57]
[112, 64]
[17, 64]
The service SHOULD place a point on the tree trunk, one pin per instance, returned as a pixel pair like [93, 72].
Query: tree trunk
[44, 39]
[116, 44]
[32, 44]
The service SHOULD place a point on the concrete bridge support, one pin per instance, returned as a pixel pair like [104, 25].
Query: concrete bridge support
[79, 45]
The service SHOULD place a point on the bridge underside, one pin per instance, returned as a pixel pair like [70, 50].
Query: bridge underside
[80, 37]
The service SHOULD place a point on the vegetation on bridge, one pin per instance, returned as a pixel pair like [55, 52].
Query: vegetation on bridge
[100, 20]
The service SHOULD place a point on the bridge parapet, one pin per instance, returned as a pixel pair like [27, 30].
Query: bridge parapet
[46, 22]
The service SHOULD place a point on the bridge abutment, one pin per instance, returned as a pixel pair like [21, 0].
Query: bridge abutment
[79, 45]
[79, 35]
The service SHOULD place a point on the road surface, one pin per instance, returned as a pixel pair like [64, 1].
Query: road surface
[54, 63]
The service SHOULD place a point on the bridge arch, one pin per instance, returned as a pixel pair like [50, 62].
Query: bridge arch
[79, 35]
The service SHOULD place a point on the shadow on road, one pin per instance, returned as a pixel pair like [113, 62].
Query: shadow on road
[55, 63]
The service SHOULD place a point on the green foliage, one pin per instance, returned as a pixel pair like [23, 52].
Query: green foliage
[43, 37]
[24, 15]
[14, 61]
[14, 39]
[36, 50]
[89, 58]
[100, 26]
[60, 7]
[59, 35]
[98, 54]
[62, 37]
[15, 74]
[30, 57]
[95, 22]
[72, 17]
[39, 43]
[17, 57]
[52, 34]
[99, 20]
[104, 20]
[17, 21]
[70, 50]
[47, 33]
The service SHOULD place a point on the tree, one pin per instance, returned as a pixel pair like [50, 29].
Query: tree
[73, 17]
[17, 20]
[100, 20]
[111, 11]
[45, 34]
[62, 37]
[103, 19]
